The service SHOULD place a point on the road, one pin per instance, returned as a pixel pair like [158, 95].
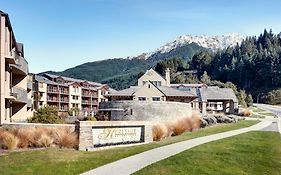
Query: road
[276, 123]
[274, 109]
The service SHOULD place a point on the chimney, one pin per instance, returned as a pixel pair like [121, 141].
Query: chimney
[167, 77]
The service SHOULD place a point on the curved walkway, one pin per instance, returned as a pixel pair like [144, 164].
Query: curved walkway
[134, 163]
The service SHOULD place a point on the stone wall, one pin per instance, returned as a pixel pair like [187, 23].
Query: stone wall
[72, 127]
[145, 111]
[86, 141]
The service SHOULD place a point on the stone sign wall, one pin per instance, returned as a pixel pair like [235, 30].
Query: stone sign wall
[107, 134]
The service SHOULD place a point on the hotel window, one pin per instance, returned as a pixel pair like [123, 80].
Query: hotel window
[155, 98]
[159, 83]
[40, 85]
[142, 99]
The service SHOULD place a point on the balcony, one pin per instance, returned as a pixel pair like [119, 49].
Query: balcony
[95, 103]
[29, 103]
[50, 99]
[10, 57]
[64, 100]
[63, 109]
[29, 85]
[19, 94]
[86, 102]
[53, 91]
[64, 92]
[86, 94]
[20, 67]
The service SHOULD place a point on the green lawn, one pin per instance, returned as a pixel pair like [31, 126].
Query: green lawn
[268, 114]
[250, 153]
[257, 116]
[63, 161]
[257, 110]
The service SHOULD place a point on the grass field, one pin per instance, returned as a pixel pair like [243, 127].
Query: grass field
[65, 161]
[257, 110]
[250, 153]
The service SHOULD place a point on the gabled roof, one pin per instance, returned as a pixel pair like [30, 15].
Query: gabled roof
[125, 92]
[149, 70]
[44, 80]
[73, 79]
[189, 85]
[216, 93]
[167, 91]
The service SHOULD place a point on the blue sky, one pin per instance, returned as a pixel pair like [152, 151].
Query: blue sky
[60, 34]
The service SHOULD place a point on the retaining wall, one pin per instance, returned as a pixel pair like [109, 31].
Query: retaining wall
[145, 111]
[72, 127]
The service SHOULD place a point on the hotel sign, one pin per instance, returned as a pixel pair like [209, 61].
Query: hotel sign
[117, 135]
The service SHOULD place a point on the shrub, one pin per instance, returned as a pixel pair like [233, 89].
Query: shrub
[196, 121]
[247, 113]
[182, 125]
[74, 110]
[159, 131]
[45, 141]
[8, 140]
[173, 128]
[65, 138]
[25, 136]
[89, 118]
[46, 114]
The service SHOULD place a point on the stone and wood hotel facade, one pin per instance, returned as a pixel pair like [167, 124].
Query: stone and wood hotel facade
[153, 89]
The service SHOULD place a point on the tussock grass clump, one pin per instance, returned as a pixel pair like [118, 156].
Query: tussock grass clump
[65, 138]
[182, 125]
[45, 141]
[8, 140]
[37, 137]
[25, 136]
[247, 112]
[159, 131]
[177, 127]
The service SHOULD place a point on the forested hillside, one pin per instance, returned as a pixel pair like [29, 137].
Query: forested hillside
[121, 73]
[254, 66]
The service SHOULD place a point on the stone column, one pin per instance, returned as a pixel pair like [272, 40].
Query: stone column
[204, 108]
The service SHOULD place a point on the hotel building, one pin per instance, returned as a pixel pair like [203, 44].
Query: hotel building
[15, 84]
[66, 93]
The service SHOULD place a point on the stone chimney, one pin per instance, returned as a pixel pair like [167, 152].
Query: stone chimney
[167, 77]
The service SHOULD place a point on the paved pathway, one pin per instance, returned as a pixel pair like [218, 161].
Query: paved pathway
[134, 163]
[272, 127]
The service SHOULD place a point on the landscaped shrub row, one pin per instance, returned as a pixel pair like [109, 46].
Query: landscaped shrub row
[177, 127]
[190, 123]
[37, 138]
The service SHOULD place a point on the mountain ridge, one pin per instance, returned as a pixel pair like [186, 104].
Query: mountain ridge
[110, 70]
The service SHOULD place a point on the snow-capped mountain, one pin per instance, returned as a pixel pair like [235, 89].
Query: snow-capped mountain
[214, 43]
